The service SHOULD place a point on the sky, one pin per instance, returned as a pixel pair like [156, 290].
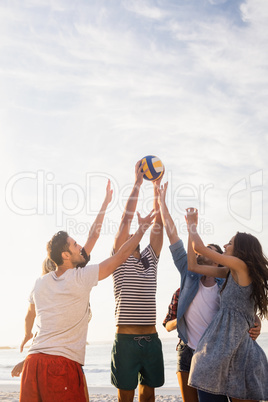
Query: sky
[90, 87]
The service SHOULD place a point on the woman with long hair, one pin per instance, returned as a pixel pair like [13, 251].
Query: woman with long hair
[227, 361]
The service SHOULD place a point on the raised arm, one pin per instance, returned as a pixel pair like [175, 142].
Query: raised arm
[166, 217]
[156, 236]
[208, 270]
[108, 266]
[95, 229]
[29, 321]
[228, 261]
[123, 231]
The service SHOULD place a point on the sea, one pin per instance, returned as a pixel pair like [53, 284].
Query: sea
[97, 362]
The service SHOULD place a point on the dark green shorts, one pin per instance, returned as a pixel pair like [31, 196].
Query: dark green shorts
[137, 359]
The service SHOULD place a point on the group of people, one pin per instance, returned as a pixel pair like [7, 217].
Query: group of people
[214, 311]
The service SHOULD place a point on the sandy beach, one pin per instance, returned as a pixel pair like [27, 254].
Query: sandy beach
[14, 397]
[10, 393]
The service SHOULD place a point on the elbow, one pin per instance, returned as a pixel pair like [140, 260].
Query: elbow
[171, 325]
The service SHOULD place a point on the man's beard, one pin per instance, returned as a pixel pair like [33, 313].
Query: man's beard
[202, 260]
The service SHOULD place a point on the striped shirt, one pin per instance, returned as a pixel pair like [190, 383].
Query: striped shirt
[135, 289]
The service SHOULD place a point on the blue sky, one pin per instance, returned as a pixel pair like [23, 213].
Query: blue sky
[90, 87]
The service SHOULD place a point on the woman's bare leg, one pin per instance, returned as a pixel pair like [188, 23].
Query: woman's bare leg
[189, 394]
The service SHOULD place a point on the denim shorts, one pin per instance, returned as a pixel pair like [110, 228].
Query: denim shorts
[184, 357]
[137, 359]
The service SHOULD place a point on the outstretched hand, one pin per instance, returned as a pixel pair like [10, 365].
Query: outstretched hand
[145, 223]
[109, 193]
[162, 193]
[157, 182]
[191, 218]
[139, 173]
[16, 371]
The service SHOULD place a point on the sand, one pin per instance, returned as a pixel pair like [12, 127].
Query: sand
[10, 393]
[14, 397]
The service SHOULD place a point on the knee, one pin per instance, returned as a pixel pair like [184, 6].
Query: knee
[126, 395]
[146, 394]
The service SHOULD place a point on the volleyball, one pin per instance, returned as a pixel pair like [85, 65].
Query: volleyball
[155, 167]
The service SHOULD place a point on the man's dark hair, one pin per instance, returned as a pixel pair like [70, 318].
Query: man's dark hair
[57, 245]
[217, 247]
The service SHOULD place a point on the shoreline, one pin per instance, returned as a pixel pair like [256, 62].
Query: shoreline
[5, 387]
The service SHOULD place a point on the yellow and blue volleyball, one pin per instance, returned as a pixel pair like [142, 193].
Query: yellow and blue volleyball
[153, 167]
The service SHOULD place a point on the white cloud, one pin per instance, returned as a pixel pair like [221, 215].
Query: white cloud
[217, 2]
[145, 9]
[255, 11]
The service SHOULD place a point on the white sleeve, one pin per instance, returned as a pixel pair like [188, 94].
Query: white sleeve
[89, 275]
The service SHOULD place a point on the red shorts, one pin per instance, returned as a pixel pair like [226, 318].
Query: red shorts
[49, 378]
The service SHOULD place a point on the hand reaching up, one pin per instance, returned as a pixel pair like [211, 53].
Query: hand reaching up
[191, 218]
[139, 173]
[145, 223]
[109, 193]
[158, 181]
[162, 193]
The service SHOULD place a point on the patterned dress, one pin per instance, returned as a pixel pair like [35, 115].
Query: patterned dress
[227, 361]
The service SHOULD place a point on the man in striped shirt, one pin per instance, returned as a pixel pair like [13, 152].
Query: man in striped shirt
[137, 351]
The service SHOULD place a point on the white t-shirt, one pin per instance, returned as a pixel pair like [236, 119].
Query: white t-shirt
[201, 312]
[62, 312]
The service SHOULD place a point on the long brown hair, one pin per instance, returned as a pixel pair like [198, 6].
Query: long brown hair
[249, 250]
